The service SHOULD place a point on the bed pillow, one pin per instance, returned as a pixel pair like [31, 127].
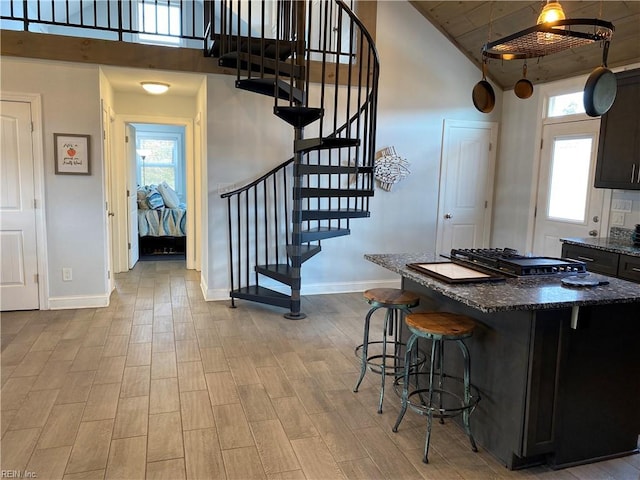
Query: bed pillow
[154, 199]
[142, 198]
[169, 195]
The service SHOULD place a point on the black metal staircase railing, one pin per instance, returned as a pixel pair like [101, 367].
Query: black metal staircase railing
[162, 22]
[320, 64]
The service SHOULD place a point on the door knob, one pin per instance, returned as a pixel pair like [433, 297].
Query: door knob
[448, 216]
[593, 233]
[596, 219]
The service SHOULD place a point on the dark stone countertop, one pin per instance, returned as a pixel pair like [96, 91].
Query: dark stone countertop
[524, 293]
[609, 244]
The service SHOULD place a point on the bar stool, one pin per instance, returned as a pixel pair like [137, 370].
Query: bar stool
[439, 327]
[397, 302]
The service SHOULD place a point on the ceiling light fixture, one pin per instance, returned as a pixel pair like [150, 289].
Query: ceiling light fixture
[155, 88]
[554, 33]
[551, 12]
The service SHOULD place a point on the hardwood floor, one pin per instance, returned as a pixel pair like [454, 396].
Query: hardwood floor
[163, 385]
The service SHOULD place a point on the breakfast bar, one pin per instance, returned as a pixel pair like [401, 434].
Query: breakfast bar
[557, 366]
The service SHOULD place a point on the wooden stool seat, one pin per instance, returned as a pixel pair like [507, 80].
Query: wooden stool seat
[448, 326]
[391, 297]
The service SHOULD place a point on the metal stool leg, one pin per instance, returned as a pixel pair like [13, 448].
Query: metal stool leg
[467, 392]
[425, 458]
[405, 382]
[387, 329]
[365, 347]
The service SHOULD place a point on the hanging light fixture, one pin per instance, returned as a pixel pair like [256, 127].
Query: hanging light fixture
[552, 33]
[551, 12]
[155, 88]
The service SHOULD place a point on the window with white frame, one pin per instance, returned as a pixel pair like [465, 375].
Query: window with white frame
[160, 21]
[566, 104]
[161, 159]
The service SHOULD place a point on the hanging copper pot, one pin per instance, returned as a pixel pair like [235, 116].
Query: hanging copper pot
[484, 98]
[523, 88]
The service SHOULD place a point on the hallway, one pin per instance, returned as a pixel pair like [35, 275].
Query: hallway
[162, 384]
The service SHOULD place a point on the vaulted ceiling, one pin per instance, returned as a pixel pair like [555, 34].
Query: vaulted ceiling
[469, 25]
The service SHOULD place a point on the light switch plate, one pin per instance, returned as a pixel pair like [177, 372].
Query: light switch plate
[622, 205]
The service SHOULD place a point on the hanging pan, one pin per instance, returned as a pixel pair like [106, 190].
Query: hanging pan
[600, 89]
[523, 87]
[483, 95]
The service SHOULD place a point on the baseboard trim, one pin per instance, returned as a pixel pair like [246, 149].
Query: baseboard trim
[78, 301]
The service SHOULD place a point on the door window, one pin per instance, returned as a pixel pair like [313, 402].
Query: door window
[569, 179]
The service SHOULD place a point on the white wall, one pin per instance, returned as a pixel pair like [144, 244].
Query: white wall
[74, 203]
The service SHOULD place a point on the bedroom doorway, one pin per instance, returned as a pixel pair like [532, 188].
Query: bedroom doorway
[157, 192]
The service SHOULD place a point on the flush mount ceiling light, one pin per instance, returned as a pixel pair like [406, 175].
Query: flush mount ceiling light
[155, 88]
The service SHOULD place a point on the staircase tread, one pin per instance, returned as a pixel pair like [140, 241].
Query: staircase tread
[310, 169]
[260, 290]
[266, 86]
[324, 143]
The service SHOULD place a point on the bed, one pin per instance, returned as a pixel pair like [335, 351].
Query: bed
[161, 220]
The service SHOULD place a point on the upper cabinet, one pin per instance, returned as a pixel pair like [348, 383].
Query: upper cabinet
[619, 146]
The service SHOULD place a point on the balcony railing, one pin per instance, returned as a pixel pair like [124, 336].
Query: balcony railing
[179, 23]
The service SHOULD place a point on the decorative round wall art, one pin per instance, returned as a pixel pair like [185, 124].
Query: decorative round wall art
[389, 168]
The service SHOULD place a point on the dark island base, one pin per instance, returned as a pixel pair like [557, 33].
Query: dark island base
[550, 393]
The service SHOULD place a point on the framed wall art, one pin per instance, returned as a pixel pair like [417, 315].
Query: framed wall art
[71, 154]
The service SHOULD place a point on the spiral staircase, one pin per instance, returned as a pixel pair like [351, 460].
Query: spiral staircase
[320, 65]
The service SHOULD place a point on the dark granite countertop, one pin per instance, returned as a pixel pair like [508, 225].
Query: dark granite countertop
[525, 293]
[609, 244]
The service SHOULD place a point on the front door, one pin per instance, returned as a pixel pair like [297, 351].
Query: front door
[567, 204]
[466, 184]
[18, 249]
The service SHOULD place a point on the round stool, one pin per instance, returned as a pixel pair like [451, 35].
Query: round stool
[397, 302]
[439, 327]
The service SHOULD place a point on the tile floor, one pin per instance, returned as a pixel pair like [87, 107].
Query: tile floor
[163, 385]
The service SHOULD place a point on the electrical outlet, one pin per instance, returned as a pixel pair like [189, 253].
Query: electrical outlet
[67, 275]
[617, 218]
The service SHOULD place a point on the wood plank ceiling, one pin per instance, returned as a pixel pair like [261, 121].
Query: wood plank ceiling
[469, 25]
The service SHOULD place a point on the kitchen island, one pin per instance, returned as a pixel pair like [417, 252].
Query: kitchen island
[557, 367]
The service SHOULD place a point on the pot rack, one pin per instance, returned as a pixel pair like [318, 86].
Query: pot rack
[548, 38]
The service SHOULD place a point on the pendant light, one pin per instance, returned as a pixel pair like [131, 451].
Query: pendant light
[551, 12]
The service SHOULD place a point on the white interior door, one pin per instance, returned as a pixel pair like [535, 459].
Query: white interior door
[108, 166]
[466, 185]
[567, 204]
[132, 196]
[18, 248]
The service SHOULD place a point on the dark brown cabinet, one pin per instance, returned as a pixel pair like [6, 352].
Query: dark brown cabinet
[629, 268]
[597, 261]
[618, 163]
[613, 264]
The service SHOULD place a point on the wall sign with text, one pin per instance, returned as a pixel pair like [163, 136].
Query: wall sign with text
[71, 154]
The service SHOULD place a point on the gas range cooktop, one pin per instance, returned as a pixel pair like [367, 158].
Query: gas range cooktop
[509, 261]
